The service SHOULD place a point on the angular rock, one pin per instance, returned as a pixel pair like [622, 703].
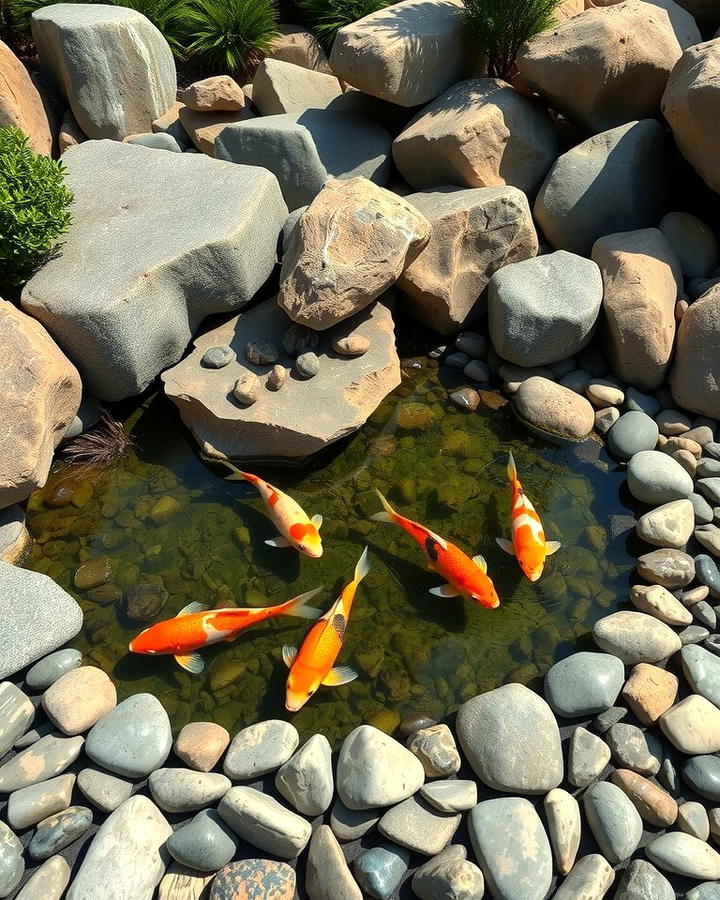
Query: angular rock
[328, 876]
[32, 804]
[693, 819]
[685, 855]
[306, 779]
[380, 869]
[474, 232]
[511, 717]
[695, 376]
[282, 87]
[203, 128]
[587, 757]
[259, 749]
[650, 692]
[39, 397]
[155, 141]
[654, 804]
[306, 150]
[610, 66]
[20, 102]
[550, 408]
[511, 822]
[709, 536]
[669, 568]
[183, 790]
[264, 822]
[453, 795]
[133, 739]
[220, 92]
[479, 133]
[349, 247]
[136, 81]
[435, 748]
[199, 265]
[613, 819]
[406, 55]
[654, 478]
[127, 856]
[634, 431]
[104, 791]
[300, 47]
[613, 181]
[693, 725]
[657, 601]
[48, 882]
[47, 757]
[59, 831]
[290, 423]
[590, 879]
[584, 684]
[351, 824]
[205, 844]
[642, 881]
[16, 714]
[564, 827]
[79, 698]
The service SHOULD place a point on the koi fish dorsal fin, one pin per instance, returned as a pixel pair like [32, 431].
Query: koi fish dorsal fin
[191, 608]
[506, 545]
[552, 547]
[445, 590]
[339, 675]
[288, 654]
[511, 467]
[317, 521]
[191, 662]
[278, 541]
[480, 562]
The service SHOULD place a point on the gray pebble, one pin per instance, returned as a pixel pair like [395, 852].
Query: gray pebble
[472, 343]
[668, 777]
[584, 684]
[205, 844]
[185, 790]
[642, 881]
[633, 432]
[12, 865]
[600, 724]
[380, 869]
[217, 357]
[588, 756]
[307, 365]
[693, 634]
[637, 401]
[59, 831]
[352, 824]
[417, 825]
[259, 749]
[707, 573]
[702, 773]
[106, 792]
[449, 876]
[32, 804]
[133, 739]
[299, 338]
[48, 670]
[705, 614]
[456, 360]
[477, 371]
[613, 819]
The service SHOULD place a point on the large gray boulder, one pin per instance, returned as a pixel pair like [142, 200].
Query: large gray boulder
[614, 181]
[114, 67]
[282, 87]
[407, 53]
[158, 242]
[474, 233]
[306, 150]
[695, 376]
[37, 616]
[544, 309]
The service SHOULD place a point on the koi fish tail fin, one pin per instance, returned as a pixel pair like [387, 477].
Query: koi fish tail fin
[388, 514]
[511, 467]
[237, 474]
[296, 606]
[362, 567]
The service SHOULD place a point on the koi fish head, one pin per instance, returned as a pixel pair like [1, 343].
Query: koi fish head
[532, 562]
[306, 539]
[148, 641]
[297, 694]
[485, 594]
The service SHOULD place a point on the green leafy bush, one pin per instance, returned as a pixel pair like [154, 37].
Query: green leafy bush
[499, 27]
[327, 17]
[232, 34]
[34, 207]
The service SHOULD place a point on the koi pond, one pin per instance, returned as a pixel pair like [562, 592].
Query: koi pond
[162, 528]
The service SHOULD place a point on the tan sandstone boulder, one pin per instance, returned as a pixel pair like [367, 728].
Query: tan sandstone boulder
[20, 102]
[695, 376]
[203, 127]
[300, 47]
[479, 133]
[691, 104]
[551, 409]
[39, 395]
[282, 87]
[349, 246]
[567, 9]
[474, 232]
[407, 53]
[642, 277]
[219, 92]
[609, 66]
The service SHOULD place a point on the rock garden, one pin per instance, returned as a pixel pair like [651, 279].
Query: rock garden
[351, 246]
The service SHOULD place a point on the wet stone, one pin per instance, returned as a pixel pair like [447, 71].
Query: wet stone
[261, 353]
[635, 637]
[12, 865]
[306, 779]
[201, 744]
[465, 398]
[693, 819]
[105, 595]
[702, 670]
[48, 670]
[259, 749]
[328, 876]
[16, 714]
[417, 825]
[642, 881]
[707, 573]
[380, 869]
[94, 573]
[512, 848]
[453, 795]
[133, 739]
[49, 756]
[48, 882]
[435, 748]
[59, 831]
[564, 827]
[685, 855]
[79, 698]
[649, 692]
[217, 357]
[106, 792]
[670, 568]
[456, 360]
[205, 844]
[654, 804]
[478, 371]
[164, 510]
[705, 614]
[590, 877]
[584, 684]
[702, 774]
[32, 804]
[449, 875]
[352, 824]
[693, 725]
[588, 756]
[613, 820]
[184, 790]
[144, 602]
[472, 343]
[264, 822]
[628, 745]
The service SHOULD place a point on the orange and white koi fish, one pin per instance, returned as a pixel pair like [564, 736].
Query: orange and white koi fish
[194, 628]
[528, 543]
[314, 663]
[465, 577]
[291, 520]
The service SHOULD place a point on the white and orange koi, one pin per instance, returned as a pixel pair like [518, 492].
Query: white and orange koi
[528, 543]
[296, 528]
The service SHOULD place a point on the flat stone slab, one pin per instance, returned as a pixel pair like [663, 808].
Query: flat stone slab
[305, 415]
[37, 617]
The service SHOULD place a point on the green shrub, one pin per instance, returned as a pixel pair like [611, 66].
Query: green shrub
[232, 34]
[327, 17]
[499, 27]
[34, 207]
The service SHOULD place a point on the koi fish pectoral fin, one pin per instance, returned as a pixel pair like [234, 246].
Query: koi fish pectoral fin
[339, 675]
[191, 662]
[288, 654]
[193, 607]
[505, 545]
[480, 562]
[317, 521]
[552, 547]
[278, 541]
[445, 590]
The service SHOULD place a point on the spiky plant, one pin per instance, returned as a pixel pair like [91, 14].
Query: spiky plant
[232, 34]
[499, 27]
[104, 444]
[327, 17]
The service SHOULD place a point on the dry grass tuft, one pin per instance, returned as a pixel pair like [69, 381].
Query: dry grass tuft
[106, 443]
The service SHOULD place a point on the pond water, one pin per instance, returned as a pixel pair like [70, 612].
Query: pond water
[416, 654]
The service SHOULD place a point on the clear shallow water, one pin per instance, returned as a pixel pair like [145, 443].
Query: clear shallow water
[416, 654]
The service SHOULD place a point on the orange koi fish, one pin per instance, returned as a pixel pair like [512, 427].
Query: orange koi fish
[296, 529]
[465, 577]
[314, 663]
[528, 543]
[194, 628]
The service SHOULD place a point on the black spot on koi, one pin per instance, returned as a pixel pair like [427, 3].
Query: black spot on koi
[431, 547]
[338, 623]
